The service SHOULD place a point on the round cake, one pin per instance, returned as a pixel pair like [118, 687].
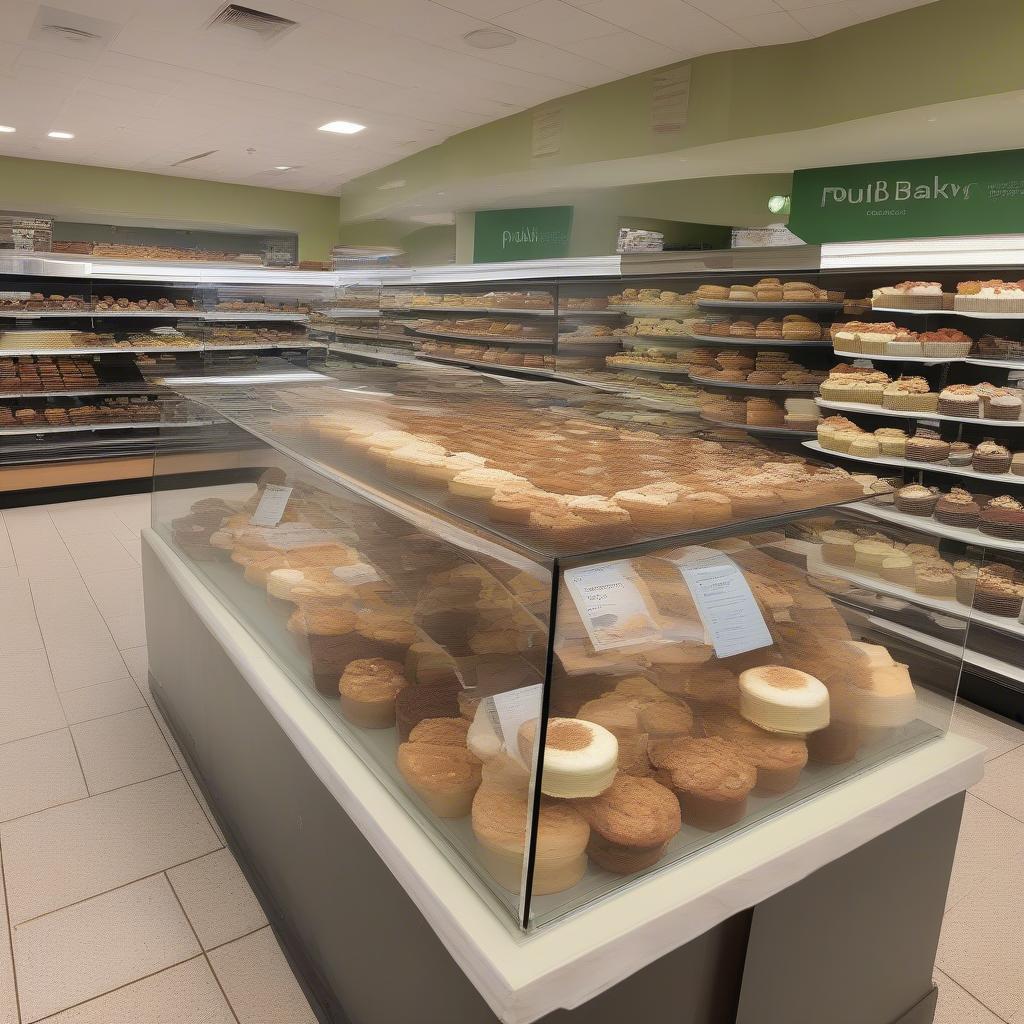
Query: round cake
[580, 758]
[783, 700]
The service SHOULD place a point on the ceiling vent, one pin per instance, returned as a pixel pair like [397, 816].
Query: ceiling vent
[61, 31]
[265, 26]
[189, 159]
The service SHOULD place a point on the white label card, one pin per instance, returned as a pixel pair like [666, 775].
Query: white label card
[611, 606]
[272, 505]
[509, 710]
[724, 601]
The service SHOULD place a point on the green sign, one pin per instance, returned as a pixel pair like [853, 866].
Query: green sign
[529, 234]
[975, 194]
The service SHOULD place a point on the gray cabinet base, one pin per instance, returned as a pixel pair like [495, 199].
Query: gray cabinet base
[853, 943]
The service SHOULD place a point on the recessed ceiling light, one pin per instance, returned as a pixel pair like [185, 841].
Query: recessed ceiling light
[283, 167]
[489, 38]
[342, 127]
[932, 120]
[7, 128]
[61, 135]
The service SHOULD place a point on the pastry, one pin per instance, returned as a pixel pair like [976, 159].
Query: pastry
[961, 401]
[783, 700]
[711, 777]
[958, 508]
[997, 595]
[443, 773]
[413, 704]
[908, 295]
[1002, 404]
[993, 296]
[869, 689]
[917, 500]
[990, 457]
[924, 447]
[1003, 517]
[501, 820]
[368, 689]
[960, 454]
[965, 579]
[631, 824]
[579, 760]
[899, 568]
[325, 634]
[837, 547]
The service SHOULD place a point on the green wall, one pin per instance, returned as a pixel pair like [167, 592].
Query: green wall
[938, 52]
[78, 192]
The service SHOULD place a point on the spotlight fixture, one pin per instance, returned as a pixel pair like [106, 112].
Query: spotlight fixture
[60, 135]
[778, 204]
[489, 38]
[342, 127]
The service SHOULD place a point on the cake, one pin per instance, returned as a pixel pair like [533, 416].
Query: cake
[711, 778]
[993, 296]
[991, 457]
[935, 579]
[917, 500]
[961, 401]
[1003, 517]
[927, 447]
[783, 700]
[871, 690]
[368, 689]
[910, 394]
[945, 343]
[958, 508]
[908, 295]
[631, 824]
[435, 763]
[960, 454]
[1002, 404]
[580, 758]
[779, 760]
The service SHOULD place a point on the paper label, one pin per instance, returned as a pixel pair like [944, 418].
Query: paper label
[670, 99]
[611, 606]
[508, 711]
[725, 602]
[272, 505]
[357, 574]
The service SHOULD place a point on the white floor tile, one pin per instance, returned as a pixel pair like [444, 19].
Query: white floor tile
[185, 994]
[80, 952]
[217, 899]
[116, 593]
[19, 630]
[133, 545]
[981, 948]
[85, 664]
[8, 993]
[120, 750]
[66, 611]
[37, 773]
[996, 734]
[101, 700]
[128, 631]
[99, 552]
[6, 550]
[1002, 786]
[259, 983]
[74, 518]
[68, 853]
[28, 700]
[991, 843]
[137, 660]
[955, 1006]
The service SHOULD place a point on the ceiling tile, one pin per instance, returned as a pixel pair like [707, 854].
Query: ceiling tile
[820, 21]
[626, 52]
[485, 9]
[552, 21]
[730, 11]
[771, 29]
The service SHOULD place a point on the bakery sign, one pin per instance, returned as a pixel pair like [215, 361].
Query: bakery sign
[537, 233]
[972, 194]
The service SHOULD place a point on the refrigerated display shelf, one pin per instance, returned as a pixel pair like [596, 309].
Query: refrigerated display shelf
[78, 428]
[949, 312]
[1002, 364]
[468, 309]
[493, 339]
[742, 385]
[753, 428]
[747, 307]
[717, 339]
[878, 410]
[929, 467]
[110, 390]
[936, 529]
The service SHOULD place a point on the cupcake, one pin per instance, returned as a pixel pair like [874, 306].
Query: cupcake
[1003, 517]
[961, 401]
[917, 500]
[990, 457]
[368, 689]
[960, 454]
[958, 508]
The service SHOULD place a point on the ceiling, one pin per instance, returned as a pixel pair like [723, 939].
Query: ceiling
[158, 86]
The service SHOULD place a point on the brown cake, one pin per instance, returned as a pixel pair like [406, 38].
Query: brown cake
[1003, 517]
[958, 508]
[917, 500]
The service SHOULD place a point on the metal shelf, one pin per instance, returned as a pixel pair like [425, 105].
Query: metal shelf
[110, 391]
[930, 467]
[878, 410]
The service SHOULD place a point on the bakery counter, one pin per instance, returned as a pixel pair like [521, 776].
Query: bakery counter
[795, 919]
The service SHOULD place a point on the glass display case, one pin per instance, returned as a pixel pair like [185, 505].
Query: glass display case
[578, 640]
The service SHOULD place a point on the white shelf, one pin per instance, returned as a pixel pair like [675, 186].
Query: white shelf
[742, 385]
[752, 428]
[673, 371]
[925, 524]
[746, 307]
[344, 312]
[106, 314]
[476, 364]
[468, 309]
[153, 349]
[925, 360]
[714, 339]
[85, 427]
[653, 311]
[878, 410]
[817, 566]
[949, 312]
[110, 391]
[931, 467]
[489, 339]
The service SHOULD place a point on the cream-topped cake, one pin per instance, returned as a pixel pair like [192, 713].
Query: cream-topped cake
[783, 700]
[580, 758]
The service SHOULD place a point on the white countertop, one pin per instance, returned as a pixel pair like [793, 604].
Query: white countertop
[563, 965]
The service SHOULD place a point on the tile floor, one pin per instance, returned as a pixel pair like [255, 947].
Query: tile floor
[119, 903]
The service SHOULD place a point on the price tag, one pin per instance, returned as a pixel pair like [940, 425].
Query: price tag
[725, 602]
[611, 606]
[272, 505]
[357, 574]
[509, 710]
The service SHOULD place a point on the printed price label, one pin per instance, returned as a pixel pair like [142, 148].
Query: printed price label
[508, 711]
[725, 602]
[272, 505]
[611, 606]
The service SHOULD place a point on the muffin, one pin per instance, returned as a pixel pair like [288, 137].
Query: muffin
[779, 760]
[711, 778]
[368, 689]
[631, 824]
[436, 764]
